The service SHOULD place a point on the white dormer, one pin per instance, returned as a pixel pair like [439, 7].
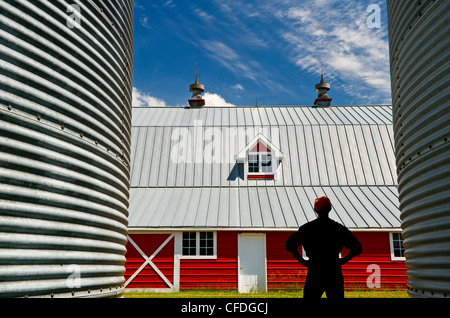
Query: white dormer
[260, 158]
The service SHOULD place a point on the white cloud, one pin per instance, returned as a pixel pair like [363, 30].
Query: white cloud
[212, 99]
[307, 33]
[169, 4]
[138, 6]
[228, 57]
[144, 20]
[202, 14]
[310, 33]
[303, 15]
[238, 87]
[143, 99]
[336, 35]
[239, 65]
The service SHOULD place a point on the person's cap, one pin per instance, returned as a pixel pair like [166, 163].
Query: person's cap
[322, 204]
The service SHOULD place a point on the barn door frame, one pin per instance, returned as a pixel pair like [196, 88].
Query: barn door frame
[241, 265]
[172, 287]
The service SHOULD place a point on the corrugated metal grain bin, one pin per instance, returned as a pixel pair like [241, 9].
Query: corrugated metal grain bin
[420, 72]
[65, 114]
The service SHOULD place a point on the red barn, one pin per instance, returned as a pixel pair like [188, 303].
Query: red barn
[216, 191]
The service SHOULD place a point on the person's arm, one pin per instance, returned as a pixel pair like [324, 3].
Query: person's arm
[292, 245]
[299, 258]
[347, 258]
[355, 247]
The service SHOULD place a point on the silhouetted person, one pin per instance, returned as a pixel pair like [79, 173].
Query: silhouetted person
[323, 240]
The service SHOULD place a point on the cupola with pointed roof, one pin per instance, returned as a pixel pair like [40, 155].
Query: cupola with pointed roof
[196, 89]
[323, 100]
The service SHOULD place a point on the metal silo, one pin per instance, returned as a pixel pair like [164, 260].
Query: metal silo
[65, 114]
[420, 60]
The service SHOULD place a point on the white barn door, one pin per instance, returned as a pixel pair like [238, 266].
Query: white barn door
[252, 273]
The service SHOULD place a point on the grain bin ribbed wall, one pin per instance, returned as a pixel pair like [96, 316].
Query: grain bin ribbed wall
[419, 52]
[65, 107]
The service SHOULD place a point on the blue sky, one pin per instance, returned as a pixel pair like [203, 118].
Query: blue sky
[272, 51]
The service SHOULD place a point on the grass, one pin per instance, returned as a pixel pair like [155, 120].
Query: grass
[269, 294]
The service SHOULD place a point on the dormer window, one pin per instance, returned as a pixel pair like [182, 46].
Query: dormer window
[260, 159]
[260, 162]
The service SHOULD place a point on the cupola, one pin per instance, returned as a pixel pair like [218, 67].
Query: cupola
[323, 100]
[196, 89]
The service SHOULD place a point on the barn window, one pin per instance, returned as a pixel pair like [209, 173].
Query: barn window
[189, 243]
[199, 244]
[260, 162]
[206, 243]
[397, 249]
[253, 163]
[260, 159]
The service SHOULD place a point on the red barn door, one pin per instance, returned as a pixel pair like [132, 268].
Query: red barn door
[150, 261]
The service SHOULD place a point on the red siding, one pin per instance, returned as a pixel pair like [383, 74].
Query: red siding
[376, 250]
[148, 278]
[220, 273]
[284, 272]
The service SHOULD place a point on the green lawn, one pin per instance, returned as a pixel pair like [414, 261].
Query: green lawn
[269, 294]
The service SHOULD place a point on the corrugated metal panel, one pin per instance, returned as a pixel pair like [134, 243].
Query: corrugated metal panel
[65, 117]
[260, 207]
[420, 72]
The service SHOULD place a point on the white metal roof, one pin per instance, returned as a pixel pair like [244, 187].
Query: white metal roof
[260, 207]
[344, 152]
[262, 115]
